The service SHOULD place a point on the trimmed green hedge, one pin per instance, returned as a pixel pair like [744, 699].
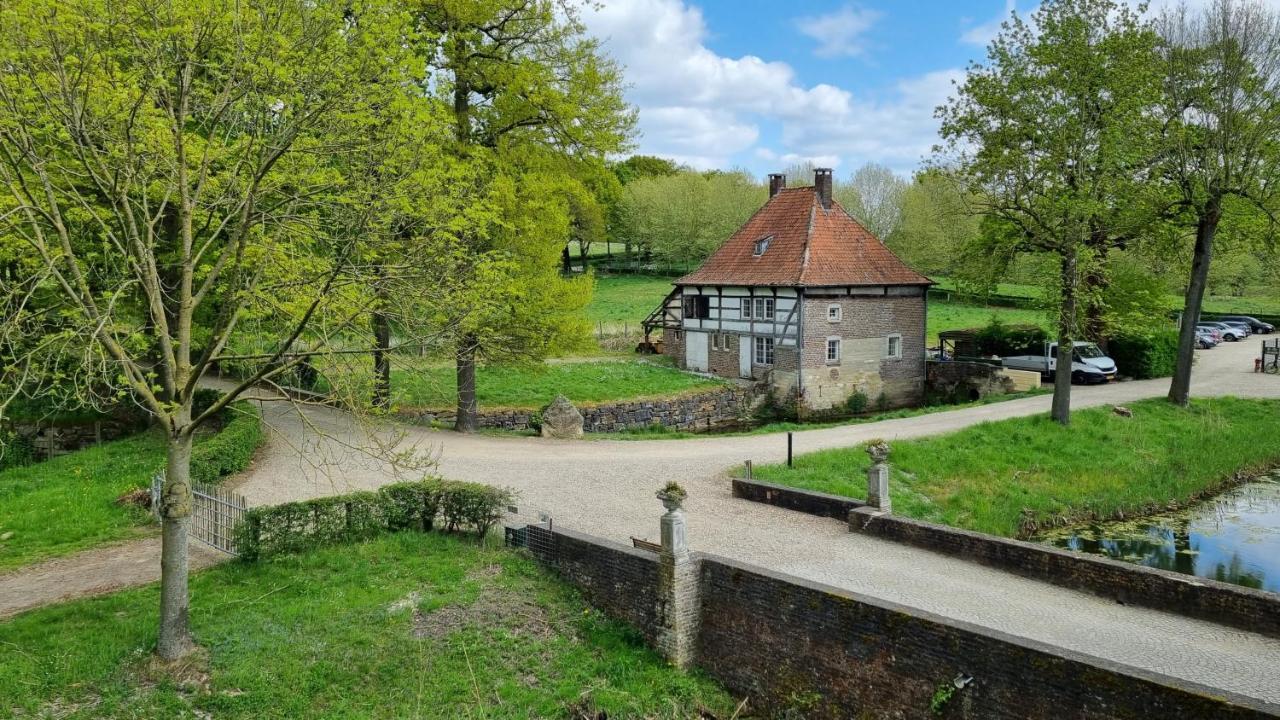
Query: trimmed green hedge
[301, 526]
[232, 448]
[1152, 355]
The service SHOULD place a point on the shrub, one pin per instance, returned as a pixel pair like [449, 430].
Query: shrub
[301, 526]
[1000, 339]
[857, 403]
[231, 450]
[15, 450]
[1142, 356]
[882, 402]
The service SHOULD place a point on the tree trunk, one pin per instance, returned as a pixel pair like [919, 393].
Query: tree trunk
[565, 263]
[381, 359]
[468, 410]
[1206, 229]
[1061, 409]
[175, 513]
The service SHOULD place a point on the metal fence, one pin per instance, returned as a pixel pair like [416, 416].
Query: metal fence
[215, 512]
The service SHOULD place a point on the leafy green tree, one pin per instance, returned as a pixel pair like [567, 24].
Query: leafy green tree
[683, 218]
[1050, 136]
[524, 82]
[169, 177]
[1221, 138]
[938, 221]
[877, 193]
[644, 166]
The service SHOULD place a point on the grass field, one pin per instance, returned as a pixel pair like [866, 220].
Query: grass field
[499, 386]
[68, 503]
[1216, 304]
[406, 626]
[1014, 476]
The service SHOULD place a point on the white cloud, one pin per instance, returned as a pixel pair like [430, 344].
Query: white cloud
[839, 33]
[706, 109]
[982, 34]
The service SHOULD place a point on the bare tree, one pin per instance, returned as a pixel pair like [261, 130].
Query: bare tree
[1221, 134]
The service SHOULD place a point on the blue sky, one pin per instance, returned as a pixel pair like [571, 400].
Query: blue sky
[759, 85]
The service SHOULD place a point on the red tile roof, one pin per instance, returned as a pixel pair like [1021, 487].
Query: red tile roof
[810, 246]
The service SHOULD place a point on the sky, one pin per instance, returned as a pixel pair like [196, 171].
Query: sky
[763, 84]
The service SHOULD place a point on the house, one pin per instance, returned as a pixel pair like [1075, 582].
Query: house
[802, 297]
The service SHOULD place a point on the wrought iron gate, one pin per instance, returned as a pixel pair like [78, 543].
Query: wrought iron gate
[215, 512]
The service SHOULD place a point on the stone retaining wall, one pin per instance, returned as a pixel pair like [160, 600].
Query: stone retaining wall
[805, 501]
[798, 648]
[700, 411]
[1245, 608]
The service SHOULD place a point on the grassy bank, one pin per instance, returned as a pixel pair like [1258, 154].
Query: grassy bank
[499, 386]
[409, 625]
[68, 503]
[1011, 476]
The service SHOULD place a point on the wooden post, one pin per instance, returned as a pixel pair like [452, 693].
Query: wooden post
[789, 448]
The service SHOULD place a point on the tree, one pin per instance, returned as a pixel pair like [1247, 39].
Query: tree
[168, 175]
[1050, 137]
[523, 81]
[644, 166]
[683, 218]
[938, 221]
[878, 192]
[1221, 137]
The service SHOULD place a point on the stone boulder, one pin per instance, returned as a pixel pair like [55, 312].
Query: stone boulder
[561, 419]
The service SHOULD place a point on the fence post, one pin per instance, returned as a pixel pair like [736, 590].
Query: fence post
[748, 464]
[788, 448]
[678, 595]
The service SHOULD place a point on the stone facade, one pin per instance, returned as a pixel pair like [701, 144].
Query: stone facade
[699, 411]
[975, 380]
[864, 326]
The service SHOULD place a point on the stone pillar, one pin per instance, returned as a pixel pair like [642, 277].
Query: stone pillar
[878, 476]
[678, 591]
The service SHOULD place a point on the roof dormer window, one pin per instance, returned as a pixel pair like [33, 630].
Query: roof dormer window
[762, 244]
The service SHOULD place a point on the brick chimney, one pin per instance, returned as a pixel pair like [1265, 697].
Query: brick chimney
[777, 181]
[822, 185]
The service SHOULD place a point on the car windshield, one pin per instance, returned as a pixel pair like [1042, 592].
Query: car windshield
[1089, 351]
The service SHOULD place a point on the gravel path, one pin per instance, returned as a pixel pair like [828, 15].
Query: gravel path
[605, 488]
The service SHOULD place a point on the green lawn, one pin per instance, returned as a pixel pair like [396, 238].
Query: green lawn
[500, 386]
[1014, 476]
[406, 626]
[68, 503]
[1214, 304]
[956, 316]
[626, 299]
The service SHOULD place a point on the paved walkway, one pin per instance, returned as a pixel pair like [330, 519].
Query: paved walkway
[606, 488]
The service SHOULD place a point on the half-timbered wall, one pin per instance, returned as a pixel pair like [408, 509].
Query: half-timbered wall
[725, 312]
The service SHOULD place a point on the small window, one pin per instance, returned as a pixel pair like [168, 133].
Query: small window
[745, 305]
[761, 308]
[697, 307]
[764, 351]
[893, 348]
[833, 351]
[833, 313]
[720, 341]
[762, 244]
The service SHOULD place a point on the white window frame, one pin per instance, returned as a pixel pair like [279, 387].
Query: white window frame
[761, 246]
[766, 308]
[833, 342]
[889, 342]
[835, 313]
[719, 341]
[762, 350]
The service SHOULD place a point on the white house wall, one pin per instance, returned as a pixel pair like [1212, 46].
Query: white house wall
[726, 313]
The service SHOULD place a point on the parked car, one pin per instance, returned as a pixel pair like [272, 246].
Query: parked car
[1243, 326]
[1255, 325]
[1205, 339]
[1230, 333]
[1214, 332]
[1088, 363]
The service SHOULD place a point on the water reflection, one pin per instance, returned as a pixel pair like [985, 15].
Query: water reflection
[1233, 537]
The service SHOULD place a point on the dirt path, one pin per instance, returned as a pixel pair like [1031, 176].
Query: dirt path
[92, 572]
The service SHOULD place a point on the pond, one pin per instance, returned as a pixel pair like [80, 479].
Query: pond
[1233, 537]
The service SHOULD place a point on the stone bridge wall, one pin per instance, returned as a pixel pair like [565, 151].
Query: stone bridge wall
[794, 646]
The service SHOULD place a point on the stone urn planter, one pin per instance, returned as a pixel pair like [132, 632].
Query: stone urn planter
[879, 451]
[672, 496]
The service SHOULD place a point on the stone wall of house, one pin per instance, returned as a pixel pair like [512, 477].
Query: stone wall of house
[799, 648]
[698, 411]
[863, 328]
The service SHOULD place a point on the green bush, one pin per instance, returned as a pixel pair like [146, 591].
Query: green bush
[857, 403]
[301, 526]
[15, 450]
[1000, 339]
[232, 448]
[1142, 356]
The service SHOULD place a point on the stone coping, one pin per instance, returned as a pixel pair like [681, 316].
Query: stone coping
[805, 501]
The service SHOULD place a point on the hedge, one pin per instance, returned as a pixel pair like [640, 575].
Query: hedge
[1150, 355]
[232, 448]
[301, 526]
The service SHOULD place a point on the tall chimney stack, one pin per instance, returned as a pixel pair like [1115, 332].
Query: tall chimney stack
[777, 181]
[822, 185]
